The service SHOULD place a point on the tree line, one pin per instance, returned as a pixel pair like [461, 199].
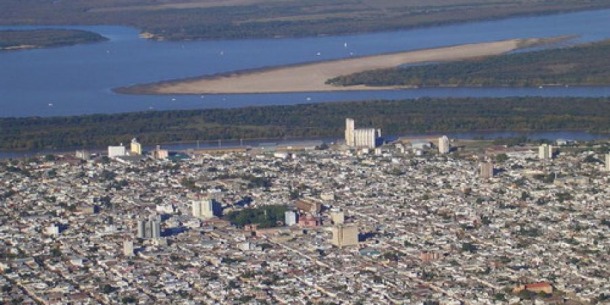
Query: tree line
[173, 21]
[577, 66]
[46, 38]
[308, 120]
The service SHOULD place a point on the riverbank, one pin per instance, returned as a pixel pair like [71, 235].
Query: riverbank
[580, 65]
[422, 115]
[312, 77]
[238, 19]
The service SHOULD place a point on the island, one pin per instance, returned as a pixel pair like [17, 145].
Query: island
[45, 38]
[312, 77]
[581, 65]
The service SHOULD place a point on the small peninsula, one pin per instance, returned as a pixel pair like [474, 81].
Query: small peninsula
[45, 38]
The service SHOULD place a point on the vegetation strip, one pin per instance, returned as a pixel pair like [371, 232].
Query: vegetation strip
[584, 65]
[238, 19]
[43, 38]
[308, 120]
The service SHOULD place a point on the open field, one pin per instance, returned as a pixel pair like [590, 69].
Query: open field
[312, 77]
[206, 19]
[583, 65]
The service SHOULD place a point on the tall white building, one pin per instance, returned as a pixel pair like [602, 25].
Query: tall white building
[116, 151]
[128, 248]
[608, 161]
[290, 218]
[149, 229]
[349, 132]
[545, 152]
[203, 208]
[136, 147]
[443, 145]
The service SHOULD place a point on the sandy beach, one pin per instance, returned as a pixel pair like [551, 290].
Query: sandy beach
[312, 77]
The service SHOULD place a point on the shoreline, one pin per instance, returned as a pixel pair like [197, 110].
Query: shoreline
[312, 77]
[185, 146]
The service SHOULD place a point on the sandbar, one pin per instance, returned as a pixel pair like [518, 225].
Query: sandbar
[311, 77]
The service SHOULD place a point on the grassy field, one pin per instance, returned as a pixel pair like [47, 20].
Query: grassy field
[18, 40]
[584, 65]
[204, 19]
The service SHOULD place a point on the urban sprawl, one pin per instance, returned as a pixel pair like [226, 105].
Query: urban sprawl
[413, 221]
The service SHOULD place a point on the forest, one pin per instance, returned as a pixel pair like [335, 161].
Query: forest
[394, 117]
[41, 38]
[583, 65]
[209, 19]
[268, 216]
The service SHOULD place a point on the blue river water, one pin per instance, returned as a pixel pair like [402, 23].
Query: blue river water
[79, 79]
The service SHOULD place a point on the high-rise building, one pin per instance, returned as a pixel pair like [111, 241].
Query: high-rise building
[155, 229]
[141, 228]
[443, 145]
[608, 161]
[344, 236]
[149, 229]
[136, 147]
[545, 152]
[290, 218]
[205, 209]
[486, 170]
[196, 208]
[349, 132]
[128, 248]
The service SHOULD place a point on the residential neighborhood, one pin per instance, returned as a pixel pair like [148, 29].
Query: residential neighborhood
[396, 224]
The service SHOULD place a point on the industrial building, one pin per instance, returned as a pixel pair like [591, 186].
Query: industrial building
[361, 137]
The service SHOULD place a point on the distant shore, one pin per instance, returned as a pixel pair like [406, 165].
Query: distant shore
[14, 40]
[312, 77]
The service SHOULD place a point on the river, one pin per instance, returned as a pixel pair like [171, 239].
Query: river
[79, 79]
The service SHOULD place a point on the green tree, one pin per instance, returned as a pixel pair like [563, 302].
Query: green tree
[501, 158]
